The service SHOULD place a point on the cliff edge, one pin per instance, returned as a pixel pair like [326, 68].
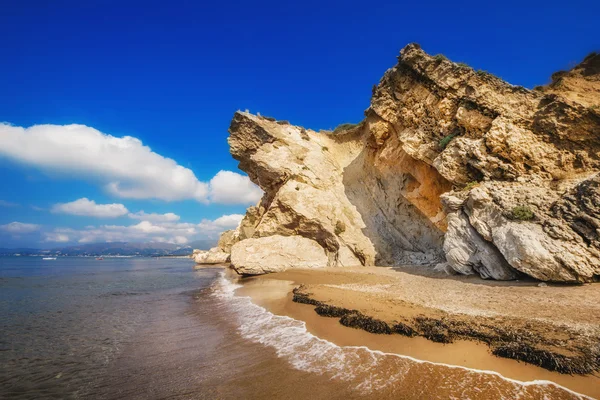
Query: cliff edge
[450, 166]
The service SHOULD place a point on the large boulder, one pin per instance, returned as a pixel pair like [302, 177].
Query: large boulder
[213, 256]
[275, 254]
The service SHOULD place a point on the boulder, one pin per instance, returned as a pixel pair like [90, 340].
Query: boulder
[213, 256]
[275, 254]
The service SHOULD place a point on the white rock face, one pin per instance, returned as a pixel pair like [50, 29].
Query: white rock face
[468, 253]
[228, 239]
[275, 254]
[560, 242]
[213, 256]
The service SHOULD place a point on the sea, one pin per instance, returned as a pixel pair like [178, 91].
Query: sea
[155, 328]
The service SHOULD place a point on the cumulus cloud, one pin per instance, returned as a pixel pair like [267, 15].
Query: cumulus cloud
[89, 208]
[231, 188]
[56, 237]
[126, 167]
[19, 228]
[153, 217]
[220, 224]
[228, 221]
[180, 240]
[146, 231]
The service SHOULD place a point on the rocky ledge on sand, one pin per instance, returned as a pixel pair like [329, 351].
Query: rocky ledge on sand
[450, 166]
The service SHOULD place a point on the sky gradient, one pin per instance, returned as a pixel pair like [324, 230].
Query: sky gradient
[152, 87]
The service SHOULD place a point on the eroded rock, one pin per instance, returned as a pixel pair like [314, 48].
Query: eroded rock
[516, 169]
[219, 254]
[213, 256]
[275, 254]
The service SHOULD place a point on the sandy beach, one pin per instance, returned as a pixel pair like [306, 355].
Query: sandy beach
[454, 320]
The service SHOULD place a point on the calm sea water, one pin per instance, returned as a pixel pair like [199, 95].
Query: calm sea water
[64, 323]
[137, 328]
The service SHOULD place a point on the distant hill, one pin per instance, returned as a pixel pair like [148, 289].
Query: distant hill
[118, 248]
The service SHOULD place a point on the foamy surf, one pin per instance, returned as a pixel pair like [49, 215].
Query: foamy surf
[370, 371]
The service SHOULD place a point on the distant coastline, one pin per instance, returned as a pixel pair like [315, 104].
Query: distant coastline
[114, 249]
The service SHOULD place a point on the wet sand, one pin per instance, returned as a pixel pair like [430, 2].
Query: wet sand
[398, 294]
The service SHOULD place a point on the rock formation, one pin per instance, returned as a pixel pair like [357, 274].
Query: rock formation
[450, 165]
[220, 254]
[275, 253]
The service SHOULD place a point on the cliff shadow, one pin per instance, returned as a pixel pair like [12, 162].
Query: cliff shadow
[392, 195]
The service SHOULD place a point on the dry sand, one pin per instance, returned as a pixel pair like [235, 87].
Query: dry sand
[569, 315]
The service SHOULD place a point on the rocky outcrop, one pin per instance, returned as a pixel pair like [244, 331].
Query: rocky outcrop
[213, 256]
[276, 253]
[219, 254]
[450, 165]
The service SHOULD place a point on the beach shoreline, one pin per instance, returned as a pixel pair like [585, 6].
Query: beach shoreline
[397, 296]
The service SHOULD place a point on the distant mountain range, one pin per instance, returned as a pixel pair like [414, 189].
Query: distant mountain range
[117, 248]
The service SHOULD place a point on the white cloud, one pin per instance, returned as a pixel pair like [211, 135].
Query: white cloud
[4, 203]
[56, 237]
[180, 240]
[232, 188]
[220, 224]
[153, 217]
[19, 228]
[147, 231]
[126, 167]
[228, 221]
[144, 231]
[89, 208]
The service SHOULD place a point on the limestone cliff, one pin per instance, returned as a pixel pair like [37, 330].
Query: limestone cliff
[450, 165]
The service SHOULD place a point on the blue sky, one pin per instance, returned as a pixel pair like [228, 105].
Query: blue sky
[171, 74]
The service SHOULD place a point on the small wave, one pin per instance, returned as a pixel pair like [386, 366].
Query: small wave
[370, 371]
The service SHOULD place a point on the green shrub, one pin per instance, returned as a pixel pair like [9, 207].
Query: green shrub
[471, 185]
[482, 73]
[446, 140]
[439, 57]
[522, 213]
[324, 148]
[462, 64]
[340, 227]
[343, 127]
[304, 134]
